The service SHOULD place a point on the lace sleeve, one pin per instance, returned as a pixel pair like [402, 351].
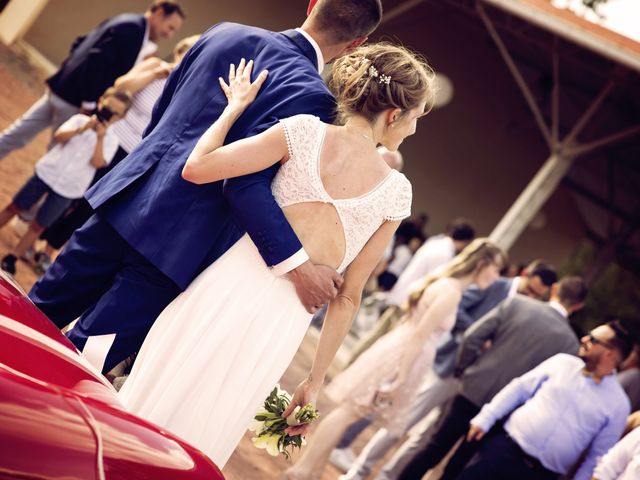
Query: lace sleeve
[297, 131]
[400, 201]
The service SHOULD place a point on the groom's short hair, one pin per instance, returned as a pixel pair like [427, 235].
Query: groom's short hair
[347, 20]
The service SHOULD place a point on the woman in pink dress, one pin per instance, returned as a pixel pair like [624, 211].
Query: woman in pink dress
[385, 379]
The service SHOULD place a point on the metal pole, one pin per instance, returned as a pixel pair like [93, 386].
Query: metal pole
[577, 128]
[516, 75]
[614, 137]
[534, 196]
[555, 95]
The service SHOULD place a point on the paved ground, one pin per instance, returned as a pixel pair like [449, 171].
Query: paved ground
[20, 86]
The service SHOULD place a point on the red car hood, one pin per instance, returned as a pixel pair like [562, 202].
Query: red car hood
[60, 418]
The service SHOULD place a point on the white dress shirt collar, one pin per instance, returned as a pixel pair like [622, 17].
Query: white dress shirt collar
[559, 308]
[315, 46]
[515, 283]
[148, 47]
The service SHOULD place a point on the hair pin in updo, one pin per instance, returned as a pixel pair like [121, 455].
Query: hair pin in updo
[373, 73]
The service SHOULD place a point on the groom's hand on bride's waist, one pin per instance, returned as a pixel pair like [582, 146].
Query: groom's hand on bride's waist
[315, 284]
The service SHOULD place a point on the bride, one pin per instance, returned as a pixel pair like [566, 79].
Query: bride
[217, 350]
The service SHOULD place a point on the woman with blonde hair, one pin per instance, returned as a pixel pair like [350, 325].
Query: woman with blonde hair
[385, 379]
[218, 349]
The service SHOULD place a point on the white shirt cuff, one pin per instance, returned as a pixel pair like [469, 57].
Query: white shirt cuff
[294, 261]
[88, 105]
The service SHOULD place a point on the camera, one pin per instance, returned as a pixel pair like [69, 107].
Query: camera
[104, 114]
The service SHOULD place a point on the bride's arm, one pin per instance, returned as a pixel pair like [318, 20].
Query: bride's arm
[210, 161]
[340, 315]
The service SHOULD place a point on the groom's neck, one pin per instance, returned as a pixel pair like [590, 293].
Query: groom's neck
[330, 50]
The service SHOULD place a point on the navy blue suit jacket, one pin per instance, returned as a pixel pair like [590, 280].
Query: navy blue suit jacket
[99, 58]
[181, 227]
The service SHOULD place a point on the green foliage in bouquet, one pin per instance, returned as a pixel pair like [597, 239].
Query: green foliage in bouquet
[269, 425]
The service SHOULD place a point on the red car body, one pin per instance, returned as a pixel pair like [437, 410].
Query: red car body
[61, 419]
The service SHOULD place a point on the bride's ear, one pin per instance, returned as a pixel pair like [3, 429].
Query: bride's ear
[392, 115]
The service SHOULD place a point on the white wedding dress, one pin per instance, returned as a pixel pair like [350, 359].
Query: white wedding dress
[218, 349]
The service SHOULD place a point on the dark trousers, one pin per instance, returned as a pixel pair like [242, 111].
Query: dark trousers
[453, 424]
[353, 431]
[387, 280]
[501, 458]
[100, 278]
[80, 211]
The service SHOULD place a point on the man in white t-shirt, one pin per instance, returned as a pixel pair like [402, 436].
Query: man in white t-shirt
[84, 144]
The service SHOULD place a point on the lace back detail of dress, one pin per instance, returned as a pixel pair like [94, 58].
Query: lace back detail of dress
[298, 181]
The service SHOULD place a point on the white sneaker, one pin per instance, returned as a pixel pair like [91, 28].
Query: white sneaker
[342, 458]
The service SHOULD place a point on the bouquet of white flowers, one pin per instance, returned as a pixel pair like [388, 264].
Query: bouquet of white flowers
[270, 427]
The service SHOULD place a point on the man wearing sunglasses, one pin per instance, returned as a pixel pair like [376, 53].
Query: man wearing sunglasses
[564, 410]
[523, 332]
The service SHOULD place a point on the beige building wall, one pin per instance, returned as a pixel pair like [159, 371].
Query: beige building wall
[471, 158]
[64, 20]
[17, 17]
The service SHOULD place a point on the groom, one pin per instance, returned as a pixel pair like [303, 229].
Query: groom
[153, 232]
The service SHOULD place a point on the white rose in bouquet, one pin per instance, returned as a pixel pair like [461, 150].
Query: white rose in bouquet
[270, 426]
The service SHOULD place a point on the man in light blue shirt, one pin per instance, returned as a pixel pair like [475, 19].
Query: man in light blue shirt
[562, 409]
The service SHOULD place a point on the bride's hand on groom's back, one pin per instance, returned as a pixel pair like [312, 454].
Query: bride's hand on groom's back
[315, 285]
[240, 91]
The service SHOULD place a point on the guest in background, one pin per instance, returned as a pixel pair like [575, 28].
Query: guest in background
[83, 145]
[413, 228]
[145, 82]
[95, 61]
[399, 260]
[385, 379]
[534, 282]
[622, 462]
[629, 378]
[523, 332]
[435, 253]
[440, 385]
[565, 411]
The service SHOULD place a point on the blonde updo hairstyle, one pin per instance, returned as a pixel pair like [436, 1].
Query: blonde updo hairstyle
[478, 254]
[360, 87]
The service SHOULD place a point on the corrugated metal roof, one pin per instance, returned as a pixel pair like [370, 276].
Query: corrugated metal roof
[566, 24]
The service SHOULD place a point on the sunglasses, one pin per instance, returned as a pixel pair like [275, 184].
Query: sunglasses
[594, 341]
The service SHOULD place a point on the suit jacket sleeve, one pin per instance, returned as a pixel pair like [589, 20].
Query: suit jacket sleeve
[117, 47]
[481, 331]
[470, 298]
[263, 219]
